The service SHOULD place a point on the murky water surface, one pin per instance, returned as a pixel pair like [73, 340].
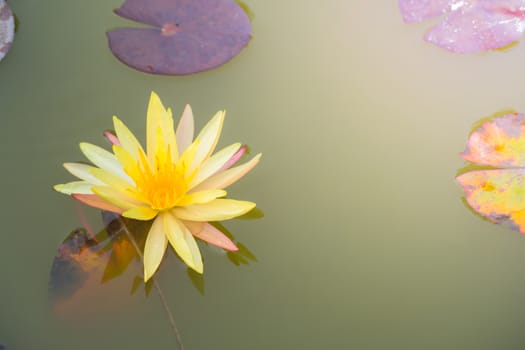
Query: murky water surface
[365, 243]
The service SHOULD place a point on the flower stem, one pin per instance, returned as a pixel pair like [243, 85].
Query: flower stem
[159, 290]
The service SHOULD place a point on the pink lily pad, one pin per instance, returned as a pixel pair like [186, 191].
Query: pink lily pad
[469, 26]
[187, 36]
[7, 28]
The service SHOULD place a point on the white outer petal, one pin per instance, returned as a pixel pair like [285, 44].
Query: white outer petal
[79, 187]
[104, 160]
[214, 164]
[185, 129]
[82, 172]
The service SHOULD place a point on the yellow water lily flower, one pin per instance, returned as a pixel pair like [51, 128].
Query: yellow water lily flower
[177, 181]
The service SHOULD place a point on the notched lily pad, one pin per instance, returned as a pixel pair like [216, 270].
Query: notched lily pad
[7, 28]
[187, 36]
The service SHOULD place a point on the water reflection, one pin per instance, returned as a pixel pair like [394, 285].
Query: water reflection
[87, 260]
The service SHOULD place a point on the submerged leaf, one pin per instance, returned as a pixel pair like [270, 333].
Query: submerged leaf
[187, 36]
[469, 25]
[7, 28]
[78, 256]
[85, 261]
[497, 194]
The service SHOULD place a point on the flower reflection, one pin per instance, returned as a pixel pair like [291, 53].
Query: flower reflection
[86, 260]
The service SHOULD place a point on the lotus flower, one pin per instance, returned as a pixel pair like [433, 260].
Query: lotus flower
[176, 181]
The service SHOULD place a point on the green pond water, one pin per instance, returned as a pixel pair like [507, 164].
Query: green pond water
[365, 243]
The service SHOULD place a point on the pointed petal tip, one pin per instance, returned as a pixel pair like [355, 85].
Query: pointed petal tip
[219, 115]
[58, 187]
[198, 269]
[147, 275]
[153, 94]
[155, 102]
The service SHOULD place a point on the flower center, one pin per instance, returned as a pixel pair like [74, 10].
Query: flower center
[163, 187]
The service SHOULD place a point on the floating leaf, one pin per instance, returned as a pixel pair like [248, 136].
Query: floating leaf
[187, 36]
[7, 28]
[469, 25]
[497, 193]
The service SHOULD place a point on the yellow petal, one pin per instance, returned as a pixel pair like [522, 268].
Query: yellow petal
[111, 180]
[103, 159]
[82, 187]
[227, 177]
[208, 138]
[183, 242]
[156, 116]
[187, 157]
[127, 139]
[96, 202]
[214, 163]
[115, 197]
[201, 197]
[184, 133]
[140, 213]
[169, 132]
[155, 247]
[129, 164]
[82, 172]
[217, 210]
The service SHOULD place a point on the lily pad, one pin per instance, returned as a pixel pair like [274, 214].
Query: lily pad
[7, 28]
[469, 26]
[187, 36]
[496, 191]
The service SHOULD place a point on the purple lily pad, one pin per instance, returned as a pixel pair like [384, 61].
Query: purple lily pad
[7, 28]
[469, 26]
[187, 36]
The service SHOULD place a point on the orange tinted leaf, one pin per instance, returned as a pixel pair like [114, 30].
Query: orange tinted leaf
[497, 194]
[498, 143]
